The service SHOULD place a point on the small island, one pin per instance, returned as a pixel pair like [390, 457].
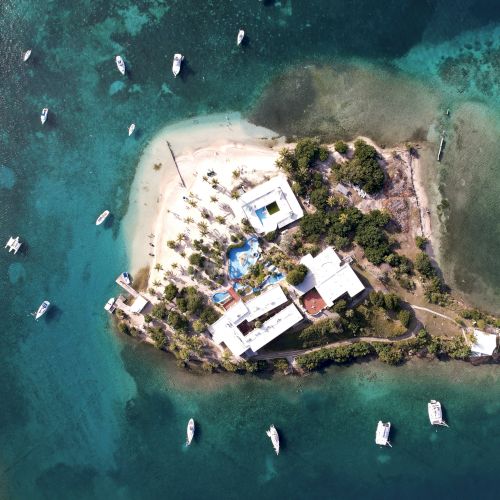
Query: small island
[271, 254]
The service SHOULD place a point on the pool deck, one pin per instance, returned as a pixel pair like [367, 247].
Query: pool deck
[234, 298]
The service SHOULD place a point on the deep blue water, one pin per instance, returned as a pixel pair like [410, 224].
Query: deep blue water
[85, 414]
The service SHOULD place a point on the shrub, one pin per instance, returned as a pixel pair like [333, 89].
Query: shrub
[159, 310]
[391, 302]
[389, 354]
[158, 336]
[420, 241]
[177, 321]
[271, 236]
[170, 292]
[319, 197]
[199, 326]
[297, 275]
[423, 265]
[320, 332]
[341, 147]
[323, 153]
[196, 259]
[209, 315]
[280, 364]
[404, 317]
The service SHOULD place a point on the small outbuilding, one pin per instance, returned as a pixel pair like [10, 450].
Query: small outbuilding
[484, 344]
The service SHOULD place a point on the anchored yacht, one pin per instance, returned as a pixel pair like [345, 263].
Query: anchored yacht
[436, 413]
[190, 431]
[275, 439]
[382, 433]
[26, 55]
[44, 115]
[44, 307]
[131, 129]
[241, 35]
[120, 64]
[13, 244]
[102, 218]
[176, 65]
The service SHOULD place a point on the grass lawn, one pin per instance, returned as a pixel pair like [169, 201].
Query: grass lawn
[273, 208]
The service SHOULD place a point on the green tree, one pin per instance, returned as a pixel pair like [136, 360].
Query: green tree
[170, 292]
[341, 147]
[196, 259]
[297, 275]
[424, 266]
[404, 317]
[159, 311]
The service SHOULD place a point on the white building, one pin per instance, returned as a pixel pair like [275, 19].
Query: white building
[229, 329]
[270, 205]
[484, 343]
[330, 277]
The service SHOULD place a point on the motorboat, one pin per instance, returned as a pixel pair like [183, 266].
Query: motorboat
[44, 307]
[190, 431]
[102, 218]
[44, 115]
[382, 433]
[126, 278]
[110, 305]
[120, 64]
[435, 413]
[241, 35]
[13, 244]
[131, 129]
[275, 439]
[176, 65]
[26, 55]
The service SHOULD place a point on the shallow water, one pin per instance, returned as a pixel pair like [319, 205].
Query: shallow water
[91, 414]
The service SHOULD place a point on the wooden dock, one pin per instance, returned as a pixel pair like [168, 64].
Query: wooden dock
[126, 287]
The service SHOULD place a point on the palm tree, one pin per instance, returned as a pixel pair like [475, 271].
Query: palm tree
[174, 265]
[203, 227]
[215, 182]
[180, 237]
[343, 218]
[331, 201]
[188, 220]
[205, 178]
[193, 203]
[156, 283]
[214, 199]
[236, 173]
[158, 266]
[234, 194]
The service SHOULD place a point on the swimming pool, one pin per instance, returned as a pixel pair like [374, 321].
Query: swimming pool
[220, 297]
[270, 280]
[241, 258]
[261, 213]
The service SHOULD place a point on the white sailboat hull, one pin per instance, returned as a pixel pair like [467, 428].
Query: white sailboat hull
[102, 218]
[26, 55]
[131, 129]
[42, 309]
[275, 439]
[239, 39]
[190, 432]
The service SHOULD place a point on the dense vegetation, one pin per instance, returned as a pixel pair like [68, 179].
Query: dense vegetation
[435, 289]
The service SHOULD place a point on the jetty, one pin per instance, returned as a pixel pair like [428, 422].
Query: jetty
[139, 303]
[13, 244]
[441, 146]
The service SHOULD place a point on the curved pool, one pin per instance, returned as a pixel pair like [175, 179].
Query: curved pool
[220, 297]
[241, 258]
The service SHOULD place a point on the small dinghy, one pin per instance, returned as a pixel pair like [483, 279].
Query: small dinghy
[26, 55]
[275, 439]
[42, 309]
[131, 129]
[239, 39]
[435, 413]
[102, 218]
[382, 433]
[120, 64]
[190, 431]
[176, 65]
[43, 116]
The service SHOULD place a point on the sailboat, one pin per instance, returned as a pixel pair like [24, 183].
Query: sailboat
[275, 439]
[43, 116]
[102, 218]
[176, 64]
[131, 129]
[190, 431]
[382, 433]
[44, 307]
[435, 413]
[26, 55]
[239, 39]
[120, 64]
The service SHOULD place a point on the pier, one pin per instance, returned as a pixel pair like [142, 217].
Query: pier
[126, 287]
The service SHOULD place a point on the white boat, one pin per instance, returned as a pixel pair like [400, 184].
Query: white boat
[435, 413]
[275, 439]
[110, 305]
[176, 65]
[382, 433]
[120, 64]
[126, 278]
[43, 116]
[239, 39]
[27, 55]
[44, 307]
[131, 129]
[13, 244]
[190, 431]
[102, 218]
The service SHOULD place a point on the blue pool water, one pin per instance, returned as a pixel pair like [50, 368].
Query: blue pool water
[220, 297]
[270, 280]
[261, 213]
[241, 258]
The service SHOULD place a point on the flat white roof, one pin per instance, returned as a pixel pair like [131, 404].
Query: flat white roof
[253, 204]
[484, 344]
[329, 276]
[139, 304]
[225, 329]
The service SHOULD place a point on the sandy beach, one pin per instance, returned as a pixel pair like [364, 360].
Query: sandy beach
[158, 207]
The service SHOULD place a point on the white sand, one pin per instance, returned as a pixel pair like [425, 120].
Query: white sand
[222, 143]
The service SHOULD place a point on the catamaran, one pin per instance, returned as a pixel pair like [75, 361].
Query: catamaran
[131, 129]
[435, 413]
[120, 64]
[190, 431]
[13, 244]
[176, 65]
[275, 439]
[43, 116]
[102, 218]
[26, 55]
[42, 309]
[241, 35]
[382, 433]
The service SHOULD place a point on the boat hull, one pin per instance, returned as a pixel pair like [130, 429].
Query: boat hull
[190, 432]
[42, 309]
[102, 218]
[120, 64]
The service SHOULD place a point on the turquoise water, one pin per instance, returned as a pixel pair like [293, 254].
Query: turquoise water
[86, 414]
[220, 297]
[241, 258]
